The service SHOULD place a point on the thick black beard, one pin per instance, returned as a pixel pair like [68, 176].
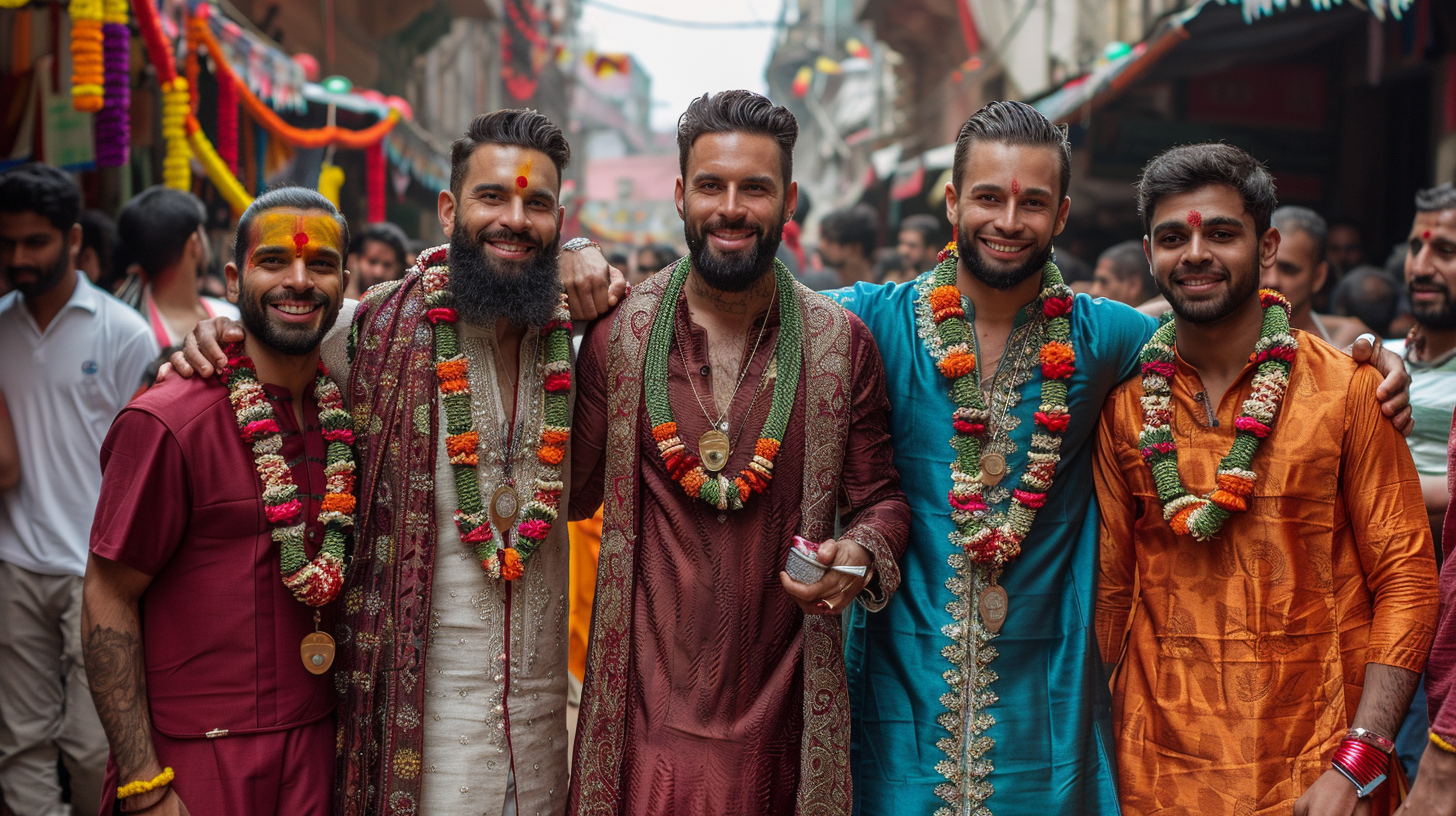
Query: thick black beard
[1440, 318]
[999, 279]
[1203, 312]
[741, 270]
[486, 289]
[45, 279]
[286, 338]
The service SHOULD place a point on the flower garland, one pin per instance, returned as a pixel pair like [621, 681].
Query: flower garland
[177, 160]
[88, 68]
[113, 121]
[315, 582]
[686, 468]
[983, 542]
[462, 440]
[1203, 516]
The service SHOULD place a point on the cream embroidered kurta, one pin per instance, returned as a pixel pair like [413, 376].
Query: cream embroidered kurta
[473, 738]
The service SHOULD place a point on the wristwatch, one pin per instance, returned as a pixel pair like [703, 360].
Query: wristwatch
[1371, 738]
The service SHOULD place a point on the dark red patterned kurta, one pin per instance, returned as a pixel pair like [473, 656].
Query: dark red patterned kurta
[715, 704]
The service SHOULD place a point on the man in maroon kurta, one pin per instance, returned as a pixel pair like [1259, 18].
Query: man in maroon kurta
[192, 638]
[709, 690]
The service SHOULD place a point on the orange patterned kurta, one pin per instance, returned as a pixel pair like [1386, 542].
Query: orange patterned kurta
[586, 548]
[1242, 659]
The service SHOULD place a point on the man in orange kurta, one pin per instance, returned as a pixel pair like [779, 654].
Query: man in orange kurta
[1242, 660]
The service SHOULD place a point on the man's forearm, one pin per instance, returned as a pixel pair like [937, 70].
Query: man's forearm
[1385, 698]
[117, 673]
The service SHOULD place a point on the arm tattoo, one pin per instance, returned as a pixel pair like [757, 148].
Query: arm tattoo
[117, 675]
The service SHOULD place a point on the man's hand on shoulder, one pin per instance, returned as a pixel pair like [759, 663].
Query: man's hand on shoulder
[1394, 391]
[202, 353]
[592, 285]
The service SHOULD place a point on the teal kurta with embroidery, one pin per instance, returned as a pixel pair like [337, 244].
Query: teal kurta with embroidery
[947, 718]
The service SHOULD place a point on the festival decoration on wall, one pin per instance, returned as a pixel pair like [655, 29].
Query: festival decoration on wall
[1254, 9]
[88, 78]
[269, 73]
[227, 124]
[521, 72]
[113, 121]
[374, 183]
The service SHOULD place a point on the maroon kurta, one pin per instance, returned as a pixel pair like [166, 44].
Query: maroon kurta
[181, 501]
[1441, 665]
[715, 704]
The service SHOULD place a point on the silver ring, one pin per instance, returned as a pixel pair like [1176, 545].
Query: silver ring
[1367, 336]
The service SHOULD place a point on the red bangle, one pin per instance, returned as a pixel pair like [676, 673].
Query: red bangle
[1361, 763]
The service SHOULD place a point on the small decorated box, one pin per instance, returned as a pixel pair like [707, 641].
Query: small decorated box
[803, 564]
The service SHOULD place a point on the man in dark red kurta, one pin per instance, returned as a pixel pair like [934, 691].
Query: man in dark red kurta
[708, 688]
[192, 635]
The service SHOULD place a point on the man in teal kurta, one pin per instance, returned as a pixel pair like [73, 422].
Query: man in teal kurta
[949, 717]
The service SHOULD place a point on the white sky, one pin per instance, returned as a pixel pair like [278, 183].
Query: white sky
[686, 62]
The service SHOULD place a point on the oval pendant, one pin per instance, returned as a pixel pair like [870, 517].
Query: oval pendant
[317, 651]
[993, 468]
[713, 449]
[505, 505]
[993, 607]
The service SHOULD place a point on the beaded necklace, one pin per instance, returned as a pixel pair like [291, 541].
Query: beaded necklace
[985, 542]
[533, 521]
[1203, 516]
[685, 467]
[315, 582]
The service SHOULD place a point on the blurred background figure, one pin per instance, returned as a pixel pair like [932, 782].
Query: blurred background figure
[1300, 270]
[1123, 274]
[891, 267]
[1367, 294]
[1345, 246]
[847, 242]
[98, 249]
[378, 253]
[164, 233]
[920, 241]
[1075, 271]
[650, 260]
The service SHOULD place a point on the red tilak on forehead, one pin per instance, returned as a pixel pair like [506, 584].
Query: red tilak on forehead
[300, 238]
[1426, 236]
[521, 181]
[1015, 187]
[1195, 219]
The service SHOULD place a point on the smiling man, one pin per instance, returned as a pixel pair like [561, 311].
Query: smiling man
[725, 408]
[1267, 585]
[215, 554]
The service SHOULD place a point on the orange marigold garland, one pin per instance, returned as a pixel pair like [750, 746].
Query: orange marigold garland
[88, 66]
[462, 440]
[315, 582]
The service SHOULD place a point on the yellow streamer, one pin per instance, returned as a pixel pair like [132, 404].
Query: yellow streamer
[218, 172]
[331, 178]
[176, 163]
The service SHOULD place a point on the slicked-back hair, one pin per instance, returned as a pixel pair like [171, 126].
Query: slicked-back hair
[738, 112]
[157, 224]
[283, 198]
[42, 189]
[1437, 199]
[1290, 218]
[1191, 167]
[1014, 123]
[1128, 262]
[513, 127]
[383, 232]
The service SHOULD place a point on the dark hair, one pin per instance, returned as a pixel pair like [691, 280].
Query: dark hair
[281, 198]
[157, 224]
[1302, 219]
[1014, 123]
[1365, 292]
[44, 190]
[857, 225]
[98, 233]
[1192, 167]
[519, 128]
[738, 112]
[1073, 269]
[1437, 199]
[927, 225]
[887, 262]
[385, 233]
[1129, 261]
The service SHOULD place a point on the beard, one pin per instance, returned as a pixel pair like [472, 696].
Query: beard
[1440, 317]
[737, 271]
[487, 289]
[999, 277]
[43, 280]
[1239, 290]
[287, 338]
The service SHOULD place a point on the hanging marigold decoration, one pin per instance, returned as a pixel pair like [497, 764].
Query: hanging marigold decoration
[88, 67]
[113, 121]
[177, 161]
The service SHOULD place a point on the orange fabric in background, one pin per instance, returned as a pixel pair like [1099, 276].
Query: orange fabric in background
[1242, 658]
[586, 548]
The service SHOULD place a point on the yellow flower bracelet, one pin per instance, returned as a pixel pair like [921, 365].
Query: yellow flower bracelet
[1444, 745]
[140, 787]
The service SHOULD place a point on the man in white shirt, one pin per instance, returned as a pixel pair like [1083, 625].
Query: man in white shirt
[73, 357]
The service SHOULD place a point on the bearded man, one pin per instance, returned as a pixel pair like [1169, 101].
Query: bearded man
[723, 409]
[192, 641]
[453, 638]
[1267, 584]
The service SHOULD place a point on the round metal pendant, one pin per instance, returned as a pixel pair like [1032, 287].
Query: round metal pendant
[317, 651]
[713, 449]
[993, 607]
[505, 504]
[993, 468]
